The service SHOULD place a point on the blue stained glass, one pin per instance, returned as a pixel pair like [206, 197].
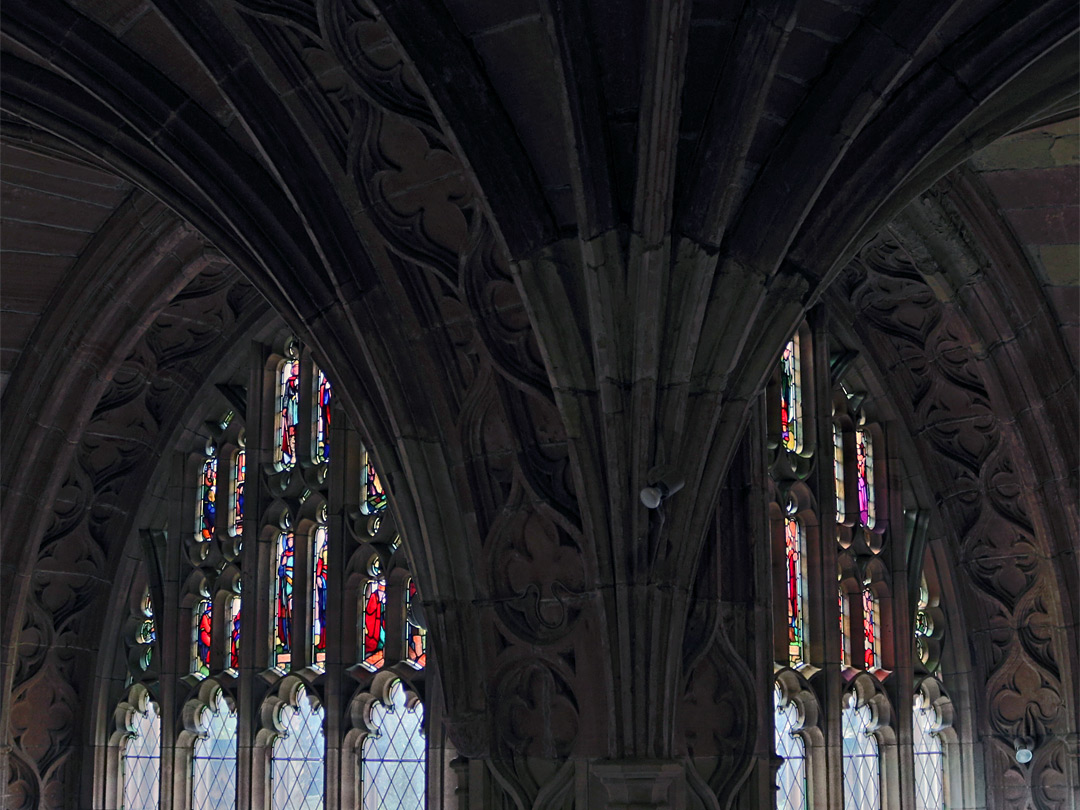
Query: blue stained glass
[207, 520]
[283, 601]
[791, 397]
[213, 764]
[142, 759]
[288, 414]
[297, 768]
[394, 758]
[323, 395]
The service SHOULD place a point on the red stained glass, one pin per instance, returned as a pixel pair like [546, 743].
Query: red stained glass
[791, 397]
[202, 625]
[319, 596]
[374, 619]
[234, 632]
[870, 625]
[796, 584]
[864, 460]
[239, 471]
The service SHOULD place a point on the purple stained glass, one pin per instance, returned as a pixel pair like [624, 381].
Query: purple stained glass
[864, 463]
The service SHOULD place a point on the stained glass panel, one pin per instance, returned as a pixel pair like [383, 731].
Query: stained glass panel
[791, 397]
[147, 630]
[791, 775]
[374, 494]
[862, 781]
[297, 768]
[924, 624]
[415, 635]
[796, 590]
[142, 759]
[838, 473]
[288, 414]
[864, 461]
[929, 758]
[283, 601]
[233, 641]
[394, 756]
[213, 764]
[871, 623]
[319, 596]
[202, 622]
[373, 618]
[845, 629]
[207, 517]
[236, 524]
[321, 434]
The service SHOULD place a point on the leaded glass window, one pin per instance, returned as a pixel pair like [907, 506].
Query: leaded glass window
[213, 763]
[373, 618]
[202, 623]
[283, 600]
[415, 633]
[319, 595]
[791, 397]
[320, 450]
[929, 758]
[141, 760]
[147, 633]
[924, 624]
[288, 414]
[791, 775]
[845, 628]
[393, 757]
[795, 568]
[297, 769]
[862, 779]
[871, 624]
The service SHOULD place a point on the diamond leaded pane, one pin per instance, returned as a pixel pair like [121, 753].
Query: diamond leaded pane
[394, 769]
[297, 769]
[791, 775]
[929, 759]
[862, 780]
[213, 766]
[142, 760]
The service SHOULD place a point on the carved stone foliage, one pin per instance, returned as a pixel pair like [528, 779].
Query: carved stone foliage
[92, 514]
[935, 368]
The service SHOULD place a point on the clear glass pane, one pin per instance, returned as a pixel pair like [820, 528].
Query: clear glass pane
[791, 775]
[213, 764]
[929, 759]
[297, 769]
[142, 760]
[862, 780]
[394, 770]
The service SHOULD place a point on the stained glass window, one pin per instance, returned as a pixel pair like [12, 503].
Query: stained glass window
[871, 623]
[202, 623]
[148, 629]
[791, 397]
[319, 596]
[845, 629]
[236, 524]
[213, 764]
[791, 775]
[393, 760]
[838, 472]
[374, 494]
[796, 590]
[283, 601]
[924, 624]
[288, 414]
[320, 450]
[297, 772]
[233, 640]
[929, 758]
[141, 761]
[864, 461]
[207, 517]
[862, 781]
[373, 618]
[415, 634]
